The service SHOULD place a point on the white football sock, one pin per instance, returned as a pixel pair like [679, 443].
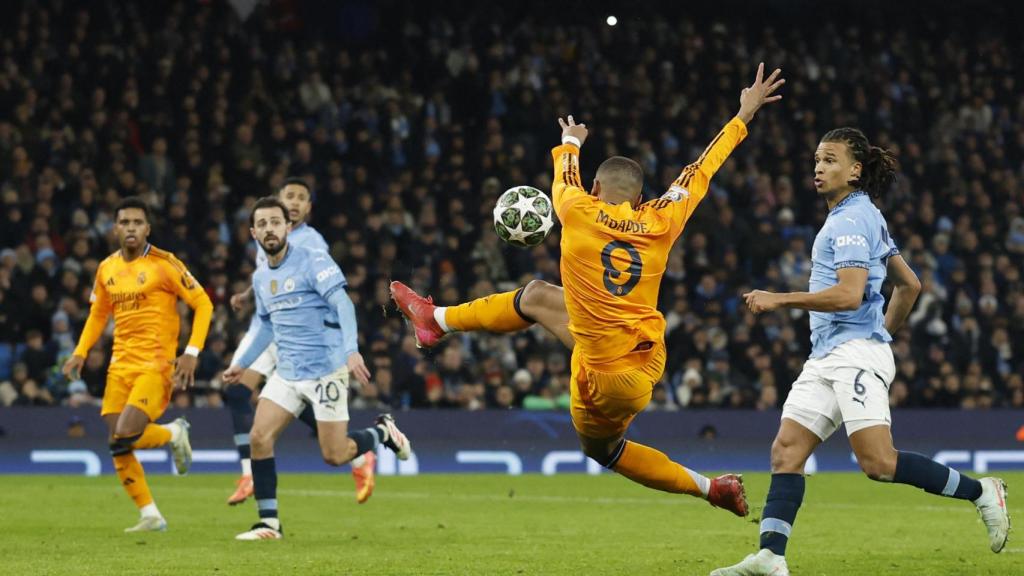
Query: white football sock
[703, 482]
[174, 429]
[439, 317]
[150, 510]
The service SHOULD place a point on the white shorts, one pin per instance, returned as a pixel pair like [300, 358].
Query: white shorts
[850, 385]
[266, 362]
[328, 395]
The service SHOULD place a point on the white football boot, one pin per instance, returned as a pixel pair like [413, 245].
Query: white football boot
[149, 524]
[992, 508]
[764, 563]
[396, 441]
[261, 531]
[181, 449]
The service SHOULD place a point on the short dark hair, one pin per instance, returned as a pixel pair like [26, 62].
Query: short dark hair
[267, 202]
[880, 165]
[625, 170]
[133, 202]
[296, 181]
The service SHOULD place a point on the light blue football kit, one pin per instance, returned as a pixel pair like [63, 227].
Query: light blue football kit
[302, 307]
[847, 377]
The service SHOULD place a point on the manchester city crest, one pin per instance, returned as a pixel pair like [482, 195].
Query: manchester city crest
[289, 285]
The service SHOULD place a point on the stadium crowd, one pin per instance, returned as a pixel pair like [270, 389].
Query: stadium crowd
[409, 130]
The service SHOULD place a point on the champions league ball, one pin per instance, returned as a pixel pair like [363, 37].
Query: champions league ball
[523, 216]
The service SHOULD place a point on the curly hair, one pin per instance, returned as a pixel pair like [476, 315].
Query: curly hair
[880, 165]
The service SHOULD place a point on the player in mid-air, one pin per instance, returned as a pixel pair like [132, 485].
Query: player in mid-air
[140, 285]
[300, 293]
[846, 379]
[298, 198]
[614, 253]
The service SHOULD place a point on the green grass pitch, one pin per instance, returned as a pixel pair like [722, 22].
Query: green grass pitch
[486, 524]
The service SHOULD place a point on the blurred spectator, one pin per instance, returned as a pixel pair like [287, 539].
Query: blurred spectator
[410, 133]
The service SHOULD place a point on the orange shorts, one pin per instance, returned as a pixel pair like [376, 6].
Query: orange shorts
[606, 397]
[148, 391]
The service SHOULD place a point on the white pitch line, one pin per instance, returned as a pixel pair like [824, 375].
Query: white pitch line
[605, 500]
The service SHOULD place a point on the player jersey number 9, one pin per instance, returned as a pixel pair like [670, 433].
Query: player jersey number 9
[611, 273]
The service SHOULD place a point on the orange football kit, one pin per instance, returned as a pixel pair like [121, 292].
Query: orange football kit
[142, 295]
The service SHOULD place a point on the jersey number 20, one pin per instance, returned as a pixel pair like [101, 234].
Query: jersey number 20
[611, 273]
[329, 393]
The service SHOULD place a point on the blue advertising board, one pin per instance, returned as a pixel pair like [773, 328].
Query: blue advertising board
[39, 440]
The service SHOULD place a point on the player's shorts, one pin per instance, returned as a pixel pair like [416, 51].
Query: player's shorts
[606, 397]
[327, 395]
[266, 362]
[850, 385]
[149, 391]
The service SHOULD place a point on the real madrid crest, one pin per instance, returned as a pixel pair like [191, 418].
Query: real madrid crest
[142, 278]
[289, 285]
[273, 287]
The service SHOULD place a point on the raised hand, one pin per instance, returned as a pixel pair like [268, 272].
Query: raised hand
[759, 93]
[571, 128]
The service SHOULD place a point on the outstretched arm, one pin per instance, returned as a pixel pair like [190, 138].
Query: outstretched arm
[566, 184]
[846, 295]
[693, 182]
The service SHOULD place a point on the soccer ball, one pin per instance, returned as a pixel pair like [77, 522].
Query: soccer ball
[523, 216]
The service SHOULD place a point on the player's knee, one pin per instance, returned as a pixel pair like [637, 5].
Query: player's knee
[531, 302]
[599, 455]
[126, 431]
[878, 467]
[335, 457]
[121, 445]
[603, 452]
[260, 439]
[785, 457]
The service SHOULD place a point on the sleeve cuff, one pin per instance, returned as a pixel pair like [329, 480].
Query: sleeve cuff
[571, 140]
[192, 351]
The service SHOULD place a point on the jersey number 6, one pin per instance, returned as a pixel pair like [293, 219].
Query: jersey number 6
[611, 273]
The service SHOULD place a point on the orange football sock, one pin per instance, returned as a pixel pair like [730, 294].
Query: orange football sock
[653, 469]
[494, 313]
[133, 478]
[154, 436]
